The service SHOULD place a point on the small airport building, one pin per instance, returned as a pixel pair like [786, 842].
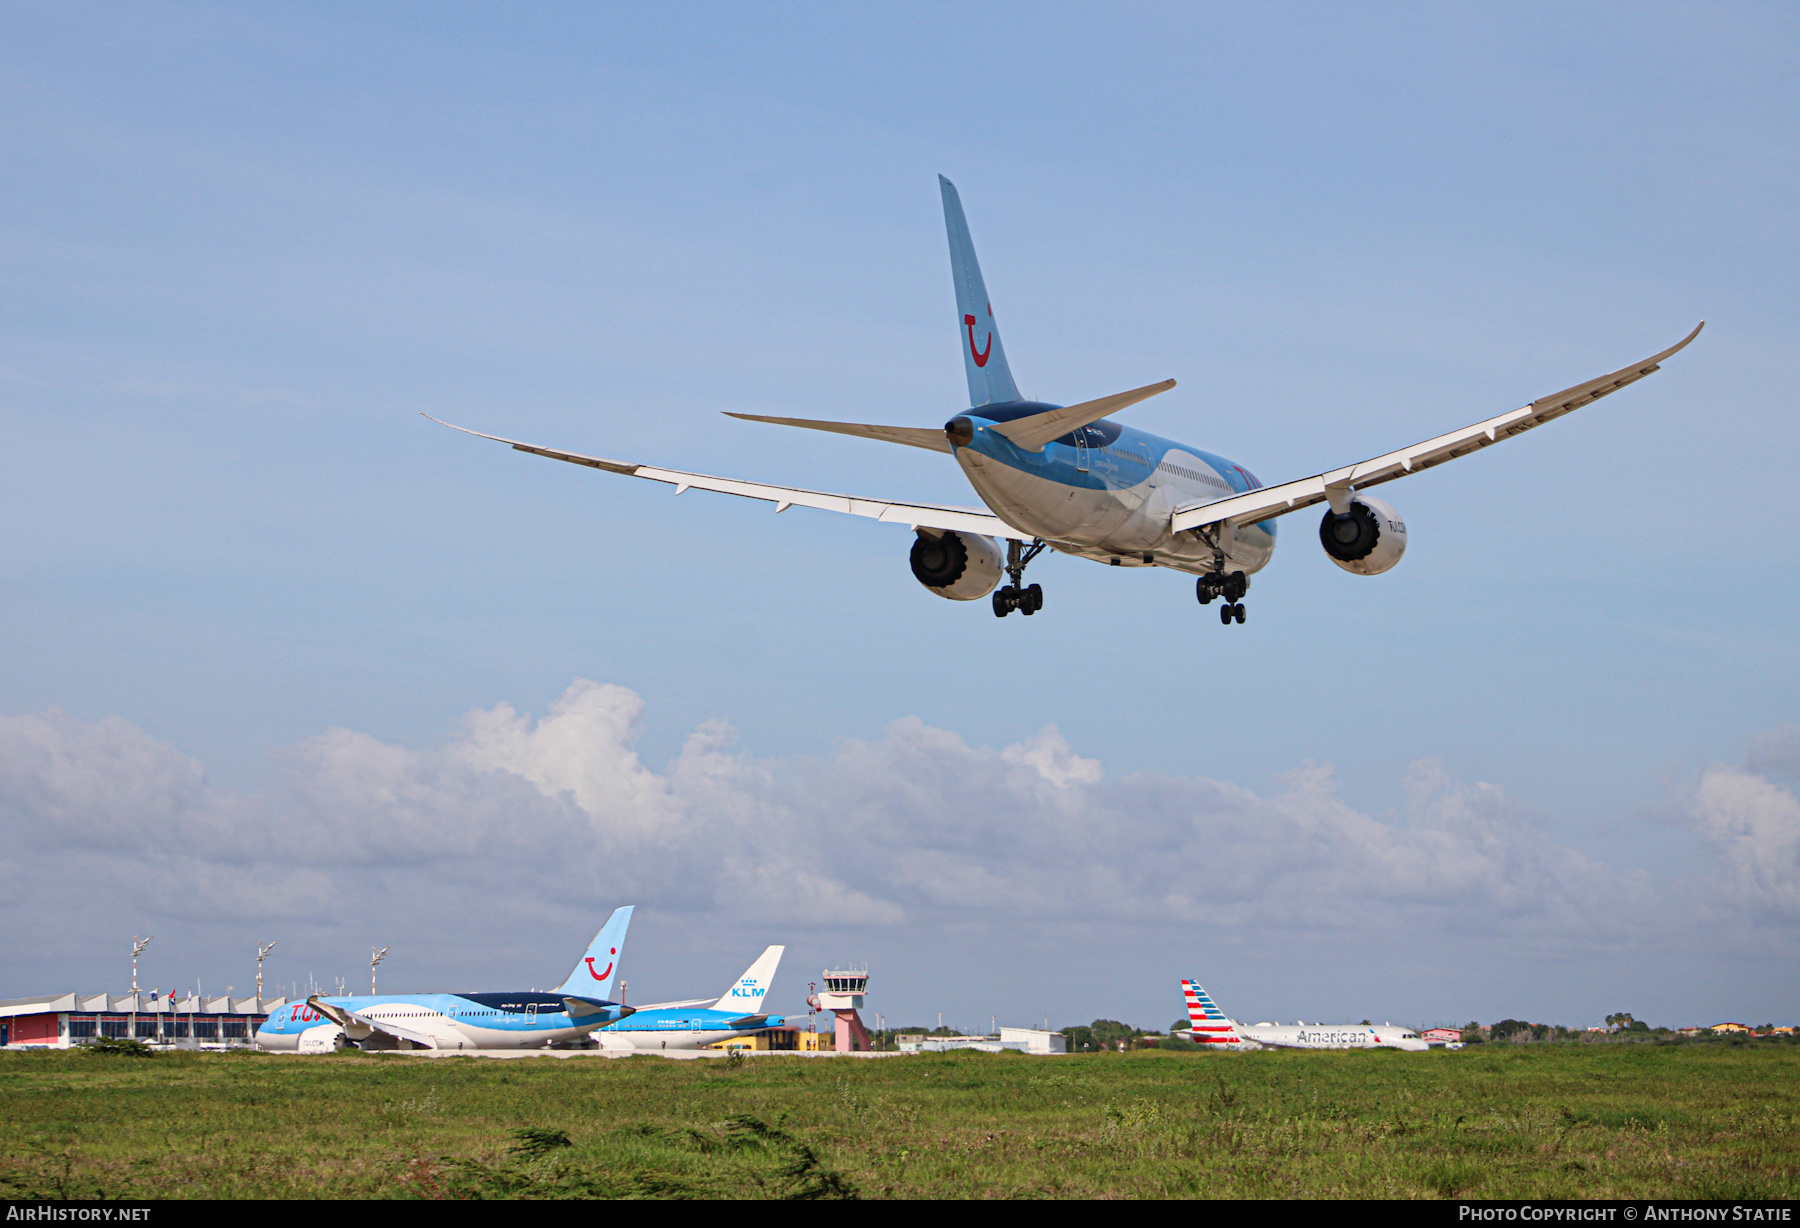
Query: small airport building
[63, 1021]
[1019, 1040]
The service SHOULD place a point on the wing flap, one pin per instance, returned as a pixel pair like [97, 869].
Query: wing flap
[926, 515]
[930, 438]
[1272, 501]
[1034, 432]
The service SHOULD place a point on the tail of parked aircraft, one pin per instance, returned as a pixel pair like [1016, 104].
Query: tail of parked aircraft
[599, 968]
[990, 379]
[1210, 1025]
[746, 993]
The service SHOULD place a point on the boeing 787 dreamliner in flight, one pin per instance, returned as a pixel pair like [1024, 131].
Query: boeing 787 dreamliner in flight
[1069, 478]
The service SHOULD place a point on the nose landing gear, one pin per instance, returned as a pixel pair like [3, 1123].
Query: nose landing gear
[1016, 596]
[1231, 587]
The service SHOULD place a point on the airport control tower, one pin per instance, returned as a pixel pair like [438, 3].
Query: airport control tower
[843, 997]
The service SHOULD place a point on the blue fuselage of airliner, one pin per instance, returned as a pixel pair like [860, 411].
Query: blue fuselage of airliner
[681, 1028]
[520, 1020]
[1106, 491]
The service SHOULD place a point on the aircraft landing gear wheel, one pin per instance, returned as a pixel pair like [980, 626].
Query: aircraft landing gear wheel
[1033, 599]
[1238, 613]
[1003, 601]
[1203, 589]
[1236, 585]
[1225, 614]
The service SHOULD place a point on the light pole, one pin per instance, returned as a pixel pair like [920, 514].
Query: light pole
[375, 957]
[137, 949]
[262, 953]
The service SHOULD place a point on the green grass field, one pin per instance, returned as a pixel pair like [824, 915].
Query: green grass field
[1543, 1121]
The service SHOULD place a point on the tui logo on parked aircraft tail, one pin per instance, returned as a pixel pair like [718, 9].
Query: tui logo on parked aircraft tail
[601, 976]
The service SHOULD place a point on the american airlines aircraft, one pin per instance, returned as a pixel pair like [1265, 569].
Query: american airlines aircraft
[1211, 1027]
[513, 1020]
[702, 1021]
[1070, 479]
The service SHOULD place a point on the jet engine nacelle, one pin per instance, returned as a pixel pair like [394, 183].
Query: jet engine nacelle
[960, 566]
[326, 1038]
[1368, 541]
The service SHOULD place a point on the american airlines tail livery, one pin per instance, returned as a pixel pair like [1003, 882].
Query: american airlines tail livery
[1210, 1026]
[1070, 478]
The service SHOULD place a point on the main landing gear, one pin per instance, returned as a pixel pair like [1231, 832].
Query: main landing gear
[1231, 587]
[1016, 596]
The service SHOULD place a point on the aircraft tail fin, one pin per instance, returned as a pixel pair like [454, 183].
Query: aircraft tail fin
[1210, 1025]
[598, 970]
[984, 359]
[746, 993]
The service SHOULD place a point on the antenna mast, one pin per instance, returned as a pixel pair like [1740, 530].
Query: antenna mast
[262, 953]
[137, 949]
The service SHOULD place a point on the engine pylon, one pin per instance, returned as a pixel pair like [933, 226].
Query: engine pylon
[842, 995]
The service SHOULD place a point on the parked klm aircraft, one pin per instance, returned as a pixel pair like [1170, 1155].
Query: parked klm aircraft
[515, 1020]
[1211, 1027]
[703, 1021]
[1070, 479]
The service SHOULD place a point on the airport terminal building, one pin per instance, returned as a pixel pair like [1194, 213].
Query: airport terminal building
[62, 1021]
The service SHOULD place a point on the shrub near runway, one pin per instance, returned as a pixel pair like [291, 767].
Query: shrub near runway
[1500, 1121]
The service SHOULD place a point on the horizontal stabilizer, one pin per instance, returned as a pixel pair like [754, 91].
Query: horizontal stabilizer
[928, 437]
[1039, 429]
[587, 1008]
[749, 1021]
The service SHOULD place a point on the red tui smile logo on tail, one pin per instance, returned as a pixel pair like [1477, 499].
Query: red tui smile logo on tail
[601, 976]
[980, 356]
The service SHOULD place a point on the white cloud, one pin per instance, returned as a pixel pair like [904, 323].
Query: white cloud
[1754, 824]
[529, 819]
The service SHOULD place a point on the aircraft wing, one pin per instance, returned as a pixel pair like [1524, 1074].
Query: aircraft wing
[1273, 501]
[348, 1020]
[676, 1006]
[926, 515]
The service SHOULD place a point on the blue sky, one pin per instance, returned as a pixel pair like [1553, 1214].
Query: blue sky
[244, 247]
